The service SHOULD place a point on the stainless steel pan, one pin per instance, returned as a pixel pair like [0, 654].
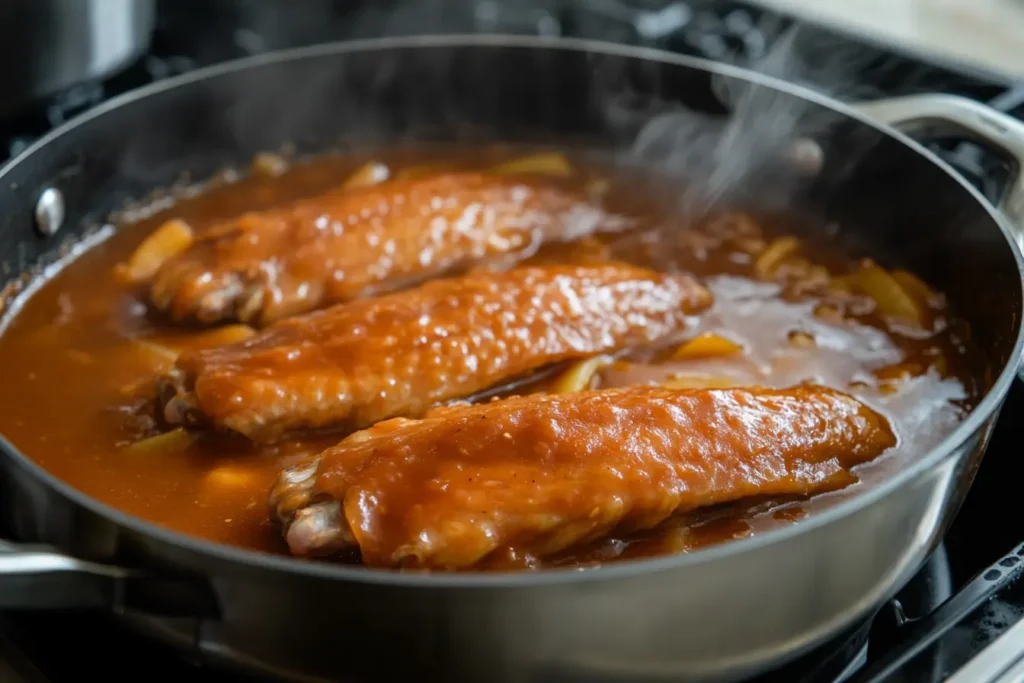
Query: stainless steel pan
[719, 614]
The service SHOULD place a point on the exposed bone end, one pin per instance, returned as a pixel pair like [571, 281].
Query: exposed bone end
[176, 401]
[313, 524]
[319, 530]
[250, 306]
[194, 290]
[293, 490]
[217, 304]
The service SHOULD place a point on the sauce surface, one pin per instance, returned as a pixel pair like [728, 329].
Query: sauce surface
[79, 351]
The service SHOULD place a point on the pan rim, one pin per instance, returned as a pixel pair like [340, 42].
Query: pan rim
[627, 569]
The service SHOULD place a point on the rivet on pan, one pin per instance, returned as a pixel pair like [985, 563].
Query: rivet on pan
[49, 212]
[807, 156]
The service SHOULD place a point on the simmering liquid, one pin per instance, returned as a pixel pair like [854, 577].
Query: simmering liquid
[77, 350]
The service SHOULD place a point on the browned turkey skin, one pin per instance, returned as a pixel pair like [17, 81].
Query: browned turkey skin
[533, 476]
[397, 355]
[349, 243]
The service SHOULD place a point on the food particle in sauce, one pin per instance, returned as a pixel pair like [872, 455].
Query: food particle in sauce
[580, 376]
[174, 441]
[229, 478]
[887, 292]
[707, 345]
[774, 255]
[169, 240]
[370, 173]
[269, 165]
[801, 339]
[545, 164]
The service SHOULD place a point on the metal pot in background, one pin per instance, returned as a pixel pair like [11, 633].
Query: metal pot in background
[47, 46]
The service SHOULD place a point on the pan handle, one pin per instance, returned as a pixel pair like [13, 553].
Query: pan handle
[943, 115]
[40, 577]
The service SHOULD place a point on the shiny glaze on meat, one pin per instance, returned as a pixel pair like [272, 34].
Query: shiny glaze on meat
[347, 243]
[397, 355]
[518, 480]
[78, 360]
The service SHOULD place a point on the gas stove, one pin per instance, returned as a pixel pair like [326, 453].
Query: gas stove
[960, 620]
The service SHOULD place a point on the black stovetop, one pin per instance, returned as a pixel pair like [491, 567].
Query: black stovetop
[971, 579]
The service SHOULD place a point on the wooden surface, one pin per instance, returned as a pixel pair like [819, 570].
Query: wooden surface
[987, 34]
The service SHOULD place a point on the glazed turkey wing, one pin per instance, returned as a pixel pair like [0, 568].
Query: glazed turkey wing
[536, 475]
[346, 244]
[400, 354]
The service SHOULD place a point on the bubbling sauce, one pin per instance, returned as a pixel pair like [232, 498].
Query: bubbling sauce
[74, 353]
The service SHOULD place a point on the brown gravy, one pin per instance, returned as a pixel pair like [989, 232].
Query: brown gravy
[70, 356]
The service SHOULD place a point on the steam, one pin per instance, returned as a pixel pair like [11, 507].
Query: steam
[768, 144]
[753, 144]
